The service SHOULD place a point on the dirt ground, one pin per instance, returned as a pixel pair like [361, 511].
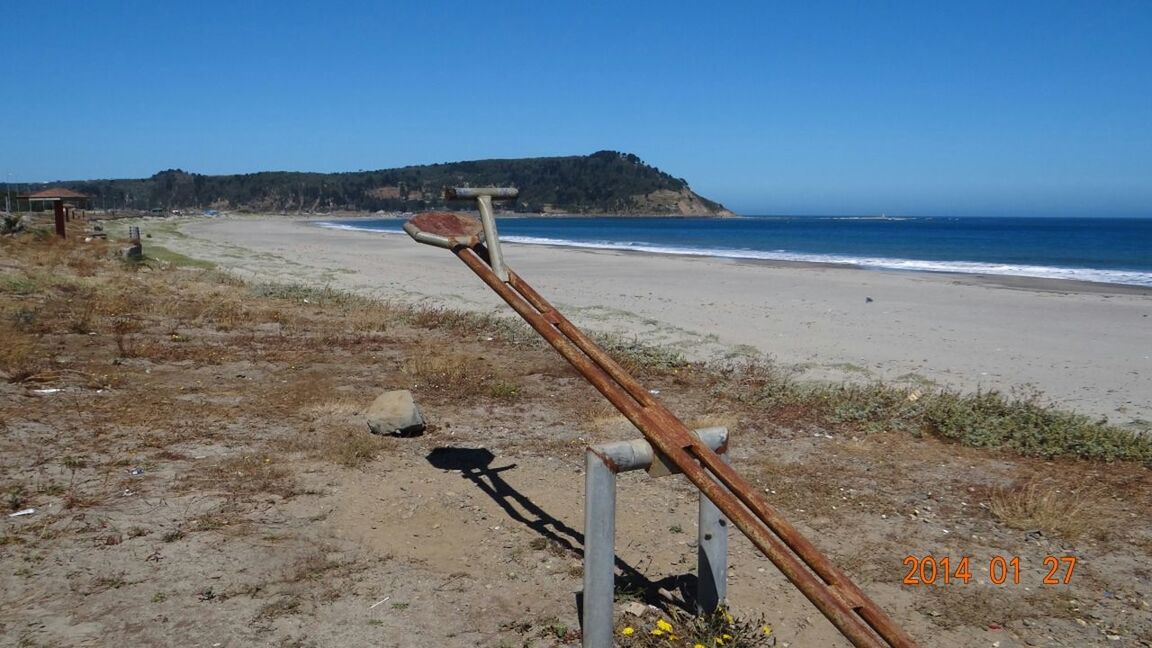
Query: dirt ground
[200, 473]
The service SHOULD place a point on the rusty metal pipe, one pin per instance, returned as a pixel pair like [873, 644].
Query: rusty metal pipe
[832, 593]
[586, 344]
[723, 472]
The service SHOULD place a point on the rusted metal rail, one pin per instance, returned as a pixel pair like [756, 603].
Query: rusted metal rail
[859, 619]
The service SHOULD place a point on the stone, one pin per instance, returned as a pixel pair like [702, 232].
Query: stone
[394, 412]
[135, 252]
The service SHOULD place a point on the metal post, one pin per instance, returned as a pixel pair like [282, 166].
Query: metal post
[602, 463]
[488, 220]
[711, 555]
[599, 551]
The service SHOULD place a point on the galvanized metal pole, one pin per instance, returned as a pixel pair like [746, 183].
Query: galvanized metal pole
[599, 551]
[488, 220]
[711, 555]
[602, 463]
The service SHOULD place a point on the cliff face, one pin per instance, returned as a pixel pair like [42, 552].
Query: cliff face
[684, 202]
[606, 182]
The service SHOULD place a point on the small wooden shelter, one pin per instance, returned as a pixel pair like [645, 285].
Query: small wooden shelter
[43, 200]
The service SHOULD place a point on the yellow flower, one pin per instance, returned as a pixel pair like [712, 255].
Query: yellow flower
[699, 645]
[627, 631]
[719, 641]
[656, 632]
[767, 631]
[726, 636]
[664, 625]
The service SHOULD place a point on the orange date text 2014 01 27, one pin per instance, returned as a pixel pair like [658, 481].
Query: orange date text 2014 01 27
[1001, 570]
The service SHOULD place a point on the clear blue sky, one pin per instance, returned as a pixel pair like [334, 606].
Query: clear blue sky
[984, 108]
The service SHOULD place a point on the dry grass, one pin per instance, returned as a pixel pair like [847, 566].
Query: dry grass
[229, 516]
[816, 488]
[1048, 507]
[20, 359]
[457, 321]
[442, 374]
[334, 413]
[973, 605]
[604, 422]
[338, 434]
[370, 318]
[726, 420]
[247, 475]
[311, 567]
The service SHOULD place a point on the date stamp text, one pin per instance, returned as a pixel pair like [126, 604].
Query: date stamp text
[1000, 570]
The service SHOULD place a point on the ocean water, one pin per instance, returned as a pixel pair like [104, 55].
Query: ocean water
[1108, 250]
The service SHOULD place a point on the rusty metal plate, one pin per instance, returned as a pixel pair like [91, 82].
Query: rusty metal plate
[445, 229]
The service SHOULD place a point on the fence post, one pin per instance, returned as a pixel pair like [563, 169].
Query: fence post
[58, 208]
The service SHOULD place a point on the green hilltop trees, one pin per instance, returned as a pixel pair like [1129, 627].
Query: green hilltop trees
[604, 182]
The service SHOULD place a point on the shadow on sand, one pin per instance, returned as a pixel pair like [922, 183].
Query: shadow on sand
[475, 465]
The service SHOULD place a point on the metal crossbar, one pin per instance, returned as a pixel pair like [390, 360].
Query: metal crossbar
[856, 616]
[602, 463]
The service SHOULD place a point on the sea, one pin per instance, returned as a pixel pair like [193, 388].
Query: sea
[1105, 250]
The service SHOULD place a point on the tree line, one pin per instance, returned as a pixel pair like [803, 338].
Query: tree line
[603, 182]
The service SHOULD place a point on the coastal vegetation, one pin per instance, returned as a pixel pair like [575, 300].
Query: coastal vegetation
[190, 442]
[607, 182]
[1020, 422]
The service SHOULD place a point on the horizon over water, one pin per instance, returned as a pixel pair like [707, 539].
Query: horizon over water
[1098, 249]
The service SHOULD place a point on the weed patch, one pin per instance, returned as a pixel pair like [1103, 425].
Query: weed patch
[681, 630]
[450, 375]
[1028, 505]
[246, 475]
[635, 355]
[985, 419]
[20, 359]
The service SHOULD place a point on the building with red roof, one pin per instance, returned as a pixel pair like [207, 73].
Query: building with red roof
[42, 200]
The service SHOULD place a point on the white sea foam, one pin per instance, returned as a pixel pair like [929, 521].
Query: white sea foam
[1125, 277]
[350, 228]
[913, 265]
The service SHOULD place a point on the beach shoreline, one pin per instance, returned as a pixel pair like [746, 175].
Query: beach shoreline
[823, 245]
[1084, 346]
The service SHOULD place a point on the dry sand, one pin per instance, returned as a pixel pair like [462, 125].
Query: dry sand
[1087, 347]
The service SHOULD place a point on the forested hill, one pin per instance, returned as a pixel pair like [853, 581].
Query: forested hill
[607, 182]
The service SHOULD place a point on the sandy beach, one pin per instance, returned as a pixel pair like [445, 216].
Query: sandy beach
[1086, 347]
